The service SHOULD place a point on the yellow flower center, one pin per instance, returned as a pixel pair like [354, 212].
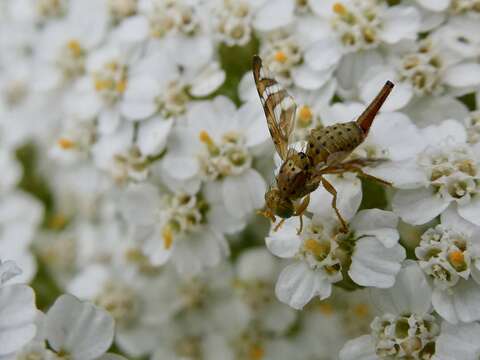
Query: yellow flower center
[65, 143]
[456, 258]
[326, 308]
[339, 8]
[280, 56]
[361, 310]
[75, 48]
[305, 115]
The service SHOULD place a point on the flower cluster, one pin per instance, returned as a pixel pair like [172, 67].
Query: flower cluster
[135, 156]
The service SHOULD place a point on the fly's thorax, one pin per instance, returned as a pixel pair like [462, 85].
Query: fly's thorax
[279, 204]
[332, 144]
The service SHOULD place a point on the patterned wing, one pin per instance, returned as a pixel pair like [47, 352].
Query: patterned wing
[279, 107]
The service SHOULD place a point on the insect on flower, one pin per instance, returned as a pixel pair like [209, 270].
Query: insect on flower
[326, 151]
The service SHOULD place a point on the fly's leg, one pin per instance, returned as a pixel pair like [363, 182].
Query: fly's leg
[279, 225]
[300, 210]
[329, 187]
[359, 171]
[267, 213]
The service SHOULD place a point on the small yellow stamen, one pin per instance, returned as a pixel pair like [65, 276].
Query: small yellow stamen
[167, 235]
[305, 115]
[361, 310]
[339, 8]
[75, 48]
[316, 248]
[121, 86]
[325, 308]
[112, 65]
[65, 143]
[456, 258]
[256, 352]
[280, 56]
[205, 138]
[101, 84]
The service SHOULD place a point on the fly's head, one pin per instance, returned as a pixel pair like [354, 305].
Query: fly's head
[277, 204]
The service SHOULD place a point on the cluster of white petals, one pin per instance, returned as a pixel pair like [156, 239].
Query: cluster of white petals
[135, 157]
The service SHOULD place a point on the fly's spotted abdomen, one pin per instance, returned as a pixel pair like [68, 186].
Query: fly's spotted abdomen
[332, 144]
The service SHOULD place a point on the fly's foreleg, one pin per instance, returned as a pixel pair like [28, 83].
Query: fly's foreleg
[329, 187]
[301, 210]
[355, 168]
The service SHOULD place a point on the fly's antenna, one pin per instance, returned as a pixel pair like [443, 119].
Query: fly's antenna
[365, 120]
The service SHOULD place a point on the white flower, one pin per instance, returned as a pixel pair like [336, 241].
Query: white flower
[178, 226]
[133, 302]
[17, 312]
[257, 271]
[370, 252]
[64, 46]
[444, 172]
[450, 256]
[78, 329]
[218, 148]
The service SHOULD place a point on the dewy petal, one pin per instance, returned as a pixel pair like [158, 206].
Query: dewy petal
[79, 328]
[324, 54]
[283, 15]
[298, 284]
[471, 211]
[377, 223]
[243, 193]
[400, 22]
[418, 206]
[410, 294]
[463, 75]
[461, 304]
[17, 317]
[285, 242]
[458, 342]
[375, 265]
[361, 348]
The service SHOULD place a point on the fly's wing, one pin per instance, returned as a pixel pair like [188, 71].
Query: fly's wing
[279, 107]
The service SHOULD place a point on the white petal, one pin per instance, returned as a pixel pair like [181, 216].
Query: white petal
[139, 204]
[418, 206]
[471, 210]
[309, 79]
[108, 121]
[285, 242]
[458, 342]
[283, 14]
[378, 223]
[375, 265]
[361, 348]
[139, 98]
[252, 119]
[373, 82]
[133, 29]
[209, 80]
[430, 110]
[463, 75]
[298, 284]
[323, 54]
[410, 294]
[256, 263]
[17, 316]
[400, 22]
[451, 218]
[8, 270]
[80, 328]
[152, 135]
[452, 130]
[462, 304]
[349, 197]
[434, 5]
[243, 193]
